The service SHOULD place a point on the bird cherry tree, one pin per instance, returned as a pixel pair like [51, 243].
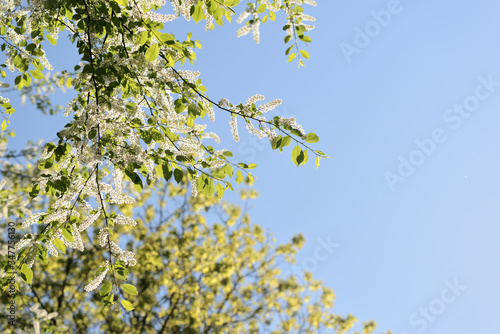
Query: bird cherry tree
[136, 117]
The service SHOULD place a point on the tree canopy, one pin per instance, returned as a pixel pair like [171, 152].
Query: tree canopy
[137, 128]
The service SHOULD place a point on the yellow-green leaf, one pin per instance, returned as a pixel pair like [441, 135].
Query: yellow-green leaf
[297, 155]
[105, 289]
[239, 177]
[231, 3]
[152, 53]
[305, 38]
[198, 13]
[37, 74]
[26, 274]
[59, 245]
[272, 16]
[130, 289]
[220, 190]
[144, 37]
[51, 39]
[67, 235]
[312, 138]
[127, 305]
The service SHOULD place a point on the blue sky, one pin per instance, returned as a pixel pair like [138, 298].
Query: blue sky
[422, 255]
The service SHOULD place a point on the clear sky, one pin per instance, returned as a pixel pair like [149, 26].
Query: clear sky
[402, 220]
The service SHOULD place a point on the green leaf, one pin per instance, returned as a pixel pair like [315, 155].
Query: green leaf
[317, 162]
[296, 132]
[201, 183]
[312, 138]
[144, 37]
[51, 39]
[210, 187]
[34, 191]
[67, 235]
[92, 133]
[261, 9]
[305, 38]
[26, 79]
[109, 300]
[304, 54]
[168, 38]
[197, 13]
[136, 123]
[42, 255]
[59, 245]
[135, 179]
[220, 190]
[26, 274]
[105, 289]
[127, 305]
[37, 64]
[297, 155]
[166, 171]
[229, 170]
[122, 272]
[239, 177]
[152, 53]
[4, 125]
[156, 135]
[178, 174]
[37, 74]
[291, 57]
[231, 3]
[285, 142]
[219, 173]
[130, 289]
[272, 16]
[249, 179]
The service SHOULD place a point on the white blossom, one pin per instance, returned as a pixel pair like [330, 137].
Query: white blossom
[234, 129]
[123, 220]
[94, 284]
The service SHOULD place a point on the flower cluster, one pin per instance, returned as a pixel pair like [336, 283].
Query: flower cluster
[234, 128]
[291, 121]
[94, 284]
[122, 220]
[251, 26]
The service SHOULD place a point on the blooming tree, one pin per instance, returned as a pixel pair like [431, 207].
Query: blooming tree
[135, 120]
